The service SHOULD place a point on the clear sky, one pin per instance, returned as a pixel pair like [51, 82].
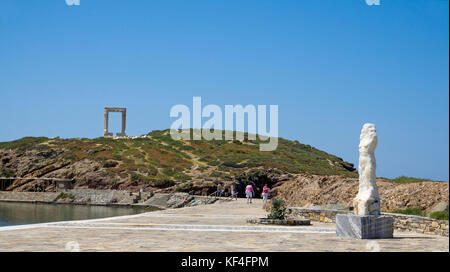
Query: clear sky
[330, 65]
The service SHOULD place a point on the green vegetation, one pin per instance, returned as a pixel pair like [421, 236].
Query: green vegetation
[404, 179]
[410, 211]
[23, 143]
[64, 196]
[278, 209]
[160, 161]
[163, 183]
[442, 215]
[7, 173]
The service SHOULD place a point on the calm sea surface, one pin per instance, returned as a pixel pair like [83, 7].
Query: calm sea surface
[13, 213]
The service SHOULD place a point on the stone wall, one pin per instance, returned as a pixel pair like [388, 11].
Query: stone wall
[326, 216]
[109, 197]
[28, 196]
[420, 224]
[81, 196]
[102, 196]
[402, 222]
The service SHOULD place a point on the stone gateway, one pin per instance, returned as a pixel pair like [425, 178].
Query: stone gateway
[106, 133]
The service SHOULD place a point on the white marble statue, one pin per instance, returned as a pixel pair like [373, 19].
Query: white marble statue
[367, 202]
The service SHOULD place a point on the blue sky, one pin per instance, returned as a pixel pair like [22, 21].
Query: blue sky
[330, 65]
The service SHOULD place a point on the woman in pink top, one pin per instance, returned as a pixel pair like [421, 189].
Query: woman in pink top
[249, 193]
[265, 193]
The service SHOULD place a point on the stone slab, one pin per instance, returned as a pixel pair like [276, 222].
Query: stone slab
[364, 227]
[138, 233]
[288, 222]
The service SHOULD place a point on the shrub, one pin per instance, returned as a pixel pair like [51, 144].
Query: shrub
[186, 147]
[410, 211]
[64, 196]
[179, 189]
[278, 209]
[6, 173]
[163, 183]
[232, 164]
[169, 172]
[442, 215]
[136, 177]
[214, 163]
[151, 171]
[404, 179]
[110, 163]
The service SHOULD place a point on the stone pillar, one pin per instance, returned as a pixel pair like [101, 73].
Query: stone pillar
[105, 125]
[124, 121]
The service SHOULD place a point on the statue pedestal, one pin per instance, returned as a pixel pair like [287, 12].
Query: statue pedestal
[364, 227]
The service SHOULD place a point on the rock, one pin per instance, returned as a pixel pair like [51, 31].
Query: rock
[289, 222]
[440, 207]
[178, 200]
[312, 207]
[337, 206]
[83, 200]
[348, 166]
[195, 203]
[91, 152]
[158, 200]
[65, 200]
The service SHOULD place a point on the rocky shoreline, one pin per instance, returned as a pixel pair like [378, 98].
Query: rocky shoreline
[110, 198]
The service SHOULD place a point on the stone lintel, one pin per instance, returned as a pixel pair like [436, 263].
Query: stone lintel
[108, 109]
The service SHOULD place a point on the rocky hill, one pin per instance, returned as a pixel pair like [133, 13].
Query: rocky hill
[327, 191]
[298, 173]
[156, 162]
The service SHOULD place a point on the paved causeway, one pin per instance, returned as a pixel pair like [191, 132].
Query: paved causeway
[216, 227]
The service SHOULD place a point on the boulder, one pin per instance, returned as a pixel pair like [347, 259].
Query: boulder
[337, 207]
[310, 206]
[178, 200]
[439, 207]
[158, 200]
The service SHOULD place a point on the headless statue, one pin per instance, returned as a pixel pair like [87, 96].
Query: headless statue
[367, 201]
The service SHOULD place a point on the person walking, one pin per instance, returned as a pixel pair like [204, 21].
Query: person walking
[219, 190]
[233, 191]
[265, 193]
[249, 193]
